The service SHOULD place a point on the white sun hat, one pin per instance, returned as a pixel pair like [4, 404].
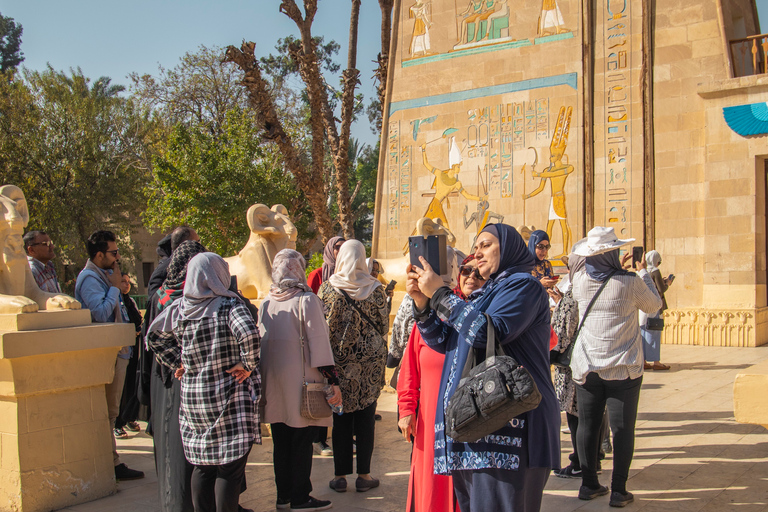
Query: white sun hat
[598, 241]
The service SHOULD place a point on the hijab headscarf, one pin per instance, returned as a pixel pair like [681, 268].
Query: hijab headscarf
[513, 257]
[457, 290]
[329, 259]
[536, 238]
[600, 266]
[576, 264]
[653, 260]
[288, 275]
[177, 268]
[352, 274]
[207, 284]
[173, 286]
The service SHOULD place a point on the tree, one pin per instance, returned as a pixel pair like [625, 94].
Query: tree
[10, 44]
[209, 181]
[79, 152]
[314, 179]
[376, 108]
[213, 165]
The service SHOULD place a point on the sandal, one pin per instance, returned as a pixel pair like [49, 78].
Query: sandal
[647, 366]
[660, 366]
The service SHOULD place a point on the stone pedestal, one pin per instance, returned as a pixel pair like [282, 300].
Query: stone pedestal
[55, 438]
[750, 404]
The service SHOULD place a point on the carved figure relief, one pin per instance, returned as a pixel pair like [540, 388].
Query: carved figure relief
[271, 232]
[551, 20]
[422, 13]
[19, 292]
[556, 173]
[481, 22]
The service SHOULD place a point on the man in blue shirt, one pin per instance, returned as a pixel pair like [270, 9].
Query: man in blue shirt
[98, 289]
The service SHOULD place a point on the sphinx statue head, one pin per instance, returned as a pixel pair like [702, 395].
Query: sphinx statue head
[19, 292]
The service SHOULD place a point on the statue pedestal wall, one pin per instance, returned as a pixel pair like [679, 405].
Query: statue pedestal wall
[749, 403]
[55, 438]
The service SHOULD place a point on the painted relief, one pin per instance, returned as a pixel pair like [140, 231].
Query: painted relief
[557, 172]
[440, 29]
[551, 20]
[617, 125]
[466, 162]
[421, 12]
[483, 22]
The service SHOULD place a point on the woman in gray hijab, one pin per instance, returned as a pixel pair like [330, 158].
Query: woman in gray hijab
[210, 340]
[295, 348]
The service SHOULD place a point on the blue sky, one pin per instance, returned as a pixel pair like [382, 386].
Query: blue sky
[109, 38]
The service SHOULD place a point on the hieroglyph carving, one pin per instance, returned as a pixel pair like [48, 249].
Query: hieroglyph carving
[19, 292]
[271, 232]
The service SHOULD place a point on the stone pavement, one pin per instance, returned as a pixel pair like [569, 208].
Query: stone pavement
[690, 454]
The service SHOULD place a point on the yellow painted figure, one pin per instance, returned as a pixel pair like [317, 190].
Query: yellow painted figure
[420, 43]
[446, 182]
[557, 173]
[551, 19]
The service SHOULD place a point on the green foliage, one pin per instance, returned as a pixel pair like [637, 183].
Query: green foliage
[366, 167]
[209, 182]
[79, 153]
[315, 261]
[10, 44]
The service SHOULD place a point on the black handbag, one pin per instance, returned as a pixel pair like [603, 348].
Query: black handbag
[654, 324]
[563, 359]
[489, 394]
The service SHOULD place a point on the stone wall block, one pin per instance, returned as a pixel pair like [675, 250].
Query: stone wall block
[41, 449]
[60, 409]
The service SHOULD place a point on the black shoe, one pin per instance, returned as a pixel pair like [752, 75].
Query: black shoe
[568, 472]
[621, 500]
[338, 485]
[283, 503]
[586, 494]
[240, 508]
[133, 426]
[123, 472]
[362, 485]
[120, 433]
[313, 504]
[377, 417]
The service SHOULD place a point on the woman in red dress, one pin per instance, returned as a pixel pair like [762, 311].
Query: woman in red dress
[417, 390]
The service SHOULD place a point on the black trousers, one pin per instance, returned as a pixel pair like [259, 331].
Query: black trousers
[621, 397]
[360, 424]
[217, 488]
[573, 426]
[292, 459]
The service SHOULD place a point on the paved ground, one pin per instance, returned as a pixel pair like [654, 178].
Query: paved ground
[690, 454]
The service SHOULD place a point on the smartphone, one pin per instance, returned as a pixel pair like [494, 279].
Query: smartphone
[670, 278]
[637, 254]
[432, 248]
[391, 286]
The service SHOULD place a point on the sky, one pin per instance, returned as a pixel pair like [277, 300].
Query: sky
[109, 38]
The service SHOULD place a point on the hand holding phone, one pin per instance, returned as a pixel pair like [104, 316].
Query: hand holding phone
[637, 255]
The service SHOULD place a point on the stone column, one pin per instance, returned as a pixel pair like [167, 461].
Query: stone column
[55, 445]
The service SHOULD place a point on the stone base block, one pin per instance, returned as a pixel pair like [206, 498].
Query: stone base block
[716, 327]
[750, 404]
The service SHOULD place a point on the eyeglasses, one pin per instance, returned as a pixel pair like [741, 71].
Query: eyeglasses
[47, 243]
[113, 253]
[543, 247]
[467, 270]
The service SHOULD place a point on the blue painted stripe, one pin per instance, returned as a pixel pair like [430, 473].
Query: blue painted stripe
[569, 79]
[492, 47]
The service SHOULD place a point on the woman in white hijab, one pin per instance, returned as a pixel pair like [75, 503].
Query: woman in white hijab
[294, 348]
[356, 309]
[652, 339]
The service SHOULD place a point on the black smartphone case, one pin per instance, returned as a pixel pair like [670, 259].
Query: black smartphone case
[432, 248]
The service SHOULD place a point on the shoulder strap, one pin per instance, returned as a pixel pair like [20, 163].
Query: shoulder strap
[353, 303]
[301, 336]
[490, 346]
[589, 307]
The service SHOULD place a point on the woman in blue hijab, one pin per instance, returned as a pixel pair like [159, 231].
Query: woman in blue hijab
[539, 246]
[507, 470]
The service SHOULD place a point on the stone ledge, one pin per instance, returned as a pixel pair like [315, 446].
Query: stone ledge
[730, 86]
[16, 344]
[749, 402]
[747, 327]
[47, 319]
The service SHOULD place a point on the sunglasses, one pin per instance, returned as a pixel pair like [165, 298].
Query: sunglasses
[543, 247]
[113, 253]
[467, 270]
[47, 243]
